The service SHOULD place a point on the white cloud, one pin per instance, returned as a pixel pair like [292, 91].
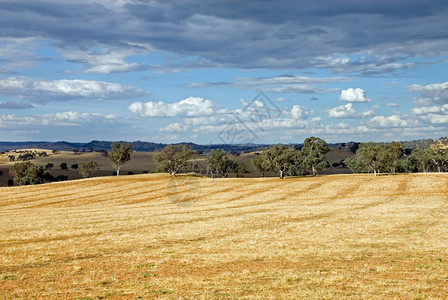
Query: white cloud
[174, 127]
[345, 129]
[435, 87]
[108, 60]
[41, 91]
[394, 121]
[70, 118]
[429, 110]
[435, 93]
[190, 107]
[354, 95]
[300, 112]
[347, 111]
[17, 53]
[432, 114]
[393, 105]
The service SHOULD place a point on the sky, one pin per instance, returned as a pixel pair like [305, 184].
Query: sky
[214, 72]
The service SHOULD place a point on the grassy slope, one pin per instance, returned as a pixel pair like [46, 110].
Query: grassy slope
[147, 236]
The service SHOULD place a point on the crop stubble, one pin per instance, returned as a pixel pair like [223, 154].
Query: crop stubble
[341, 236]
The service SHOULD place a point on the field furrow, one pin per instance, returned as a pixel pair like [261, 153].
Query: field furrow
[151, 236]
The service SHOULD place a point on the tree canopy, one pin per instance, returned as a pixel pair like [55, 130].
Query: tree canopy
[279, 158]
[120, 154]
[88, 168]
[174, 157]
[25, 173]
[313, 153]
[219, 163]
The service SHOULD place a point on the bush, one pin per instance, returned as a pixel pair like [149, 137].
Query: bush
[130, 173]
[1, 173]
[10, 182]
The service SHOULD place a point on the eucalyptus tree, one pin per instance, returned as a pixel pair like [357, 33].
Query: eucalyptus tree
[174, 157]
[120, 154]
[279, 158]
[219, 163]
[312, 154]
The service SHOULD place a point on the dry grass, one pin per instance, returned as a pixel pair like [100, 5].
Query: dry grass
[150, 236]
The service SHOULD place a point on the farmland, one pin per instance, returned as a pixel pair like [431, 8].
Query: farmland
[149, 236]
[141, 162]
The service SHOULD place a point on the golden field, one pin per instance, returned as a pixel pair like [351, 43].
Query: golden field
[152, 236]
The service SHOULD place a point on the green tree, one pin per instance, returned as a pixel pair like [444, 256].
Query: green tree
[369, 155]
[279, 158]
[240, 168]
[25, 173]
[120, 154]
[261, 164]
[219, 163]
[74, 166]
[174, 157]
[438, 156]
[417, 161]
[49, 166]
[389, 156]
[313, 153]
[88, 168]
[63, 166]
[355, 164]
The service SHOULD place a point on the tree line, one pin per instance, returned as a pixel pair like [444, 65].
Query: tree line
[283, 160]
[391, 158]
[280, 159]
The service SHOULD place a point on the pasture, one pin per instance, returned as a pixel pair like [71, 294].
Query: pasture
[153, 236]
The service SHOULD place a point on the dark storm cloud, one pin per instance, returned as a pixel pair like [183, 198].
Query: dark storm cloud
[241, 34]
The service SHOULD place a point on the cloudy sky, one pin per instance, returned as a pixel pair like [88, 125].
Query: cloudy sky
[223, 71]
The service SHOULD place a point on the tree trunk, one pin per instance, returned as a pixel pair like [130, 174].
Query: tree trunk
[118, 171]
[282, 174]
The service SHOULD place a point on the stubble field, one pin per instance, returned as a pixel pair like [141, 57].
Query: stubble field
[151, 236]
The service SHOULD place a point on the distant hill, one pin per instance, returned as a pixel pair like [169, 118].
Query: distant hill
[107, 145]
[150, 146]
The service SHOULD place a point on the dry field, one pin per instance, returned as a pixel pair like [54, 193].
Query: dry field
[151, 236]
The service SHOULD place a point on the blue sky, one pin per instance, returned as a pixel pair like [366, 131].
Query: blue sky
[223, 71]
